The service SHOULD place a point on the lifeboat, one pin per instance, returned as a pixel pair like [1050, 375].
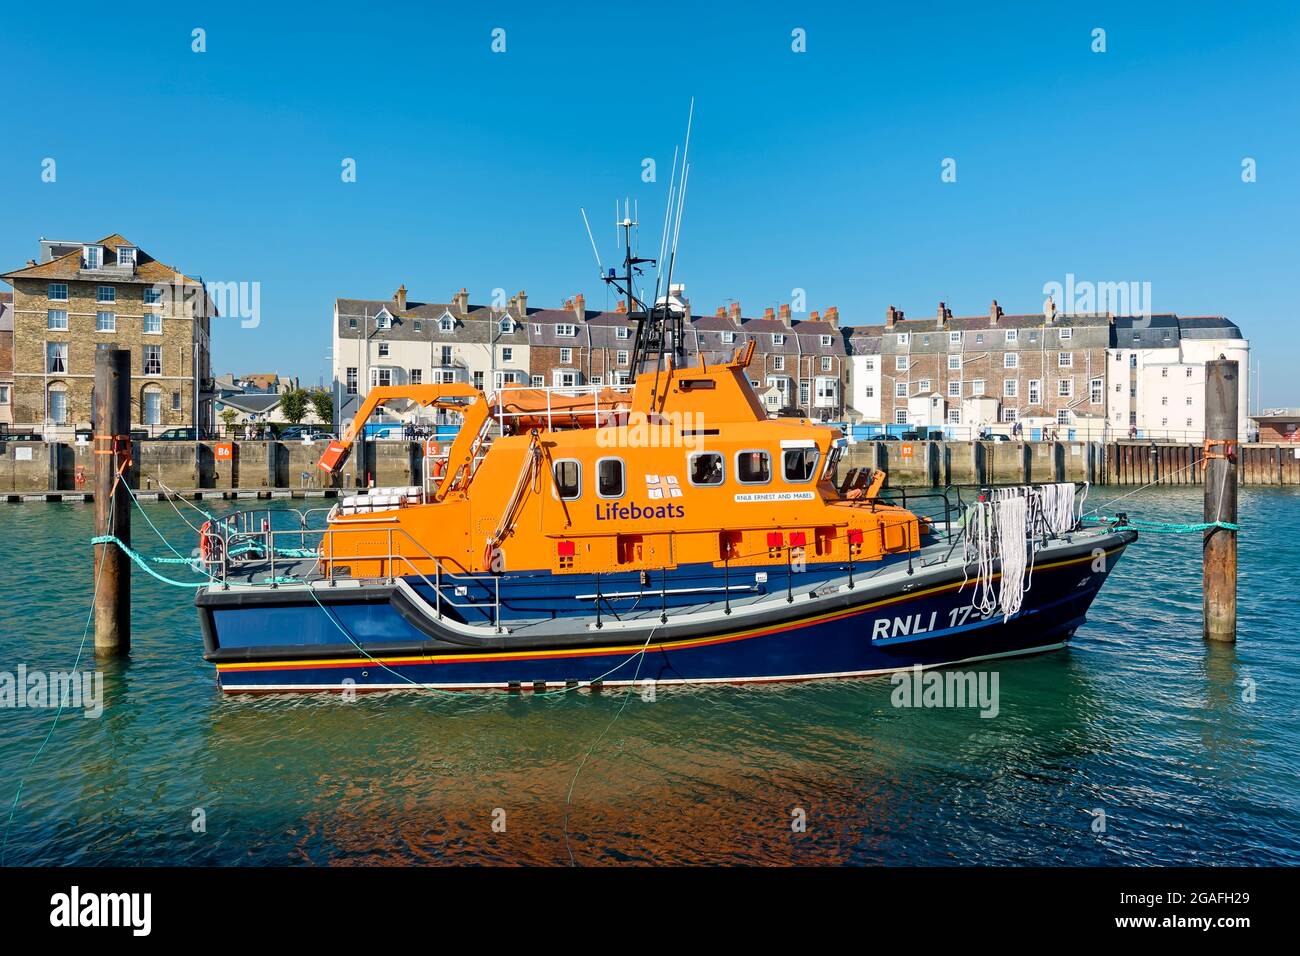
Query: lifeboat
[664, 531]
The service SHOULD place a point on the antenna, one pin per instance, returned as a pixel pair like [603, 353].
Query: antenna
[600, 270]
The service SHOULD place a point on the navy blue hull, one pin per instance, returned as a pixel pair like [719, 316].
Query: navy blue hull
[318, 640]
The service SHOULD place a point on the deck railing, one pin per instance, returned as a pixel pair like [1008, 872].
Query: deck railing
[226, 542]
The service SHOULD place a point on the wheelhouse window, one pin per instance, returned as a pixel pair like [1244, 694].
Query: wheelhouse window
[799, 464]
[610, 480]
[753, 467]
[568, 478]
[705, 468]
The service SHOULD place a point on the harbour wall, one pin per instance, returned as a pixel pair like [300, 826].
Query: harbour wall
[34, 468]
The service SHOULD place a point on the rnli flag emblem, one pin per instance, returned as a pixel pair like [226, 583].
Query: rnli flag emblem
[662, 487]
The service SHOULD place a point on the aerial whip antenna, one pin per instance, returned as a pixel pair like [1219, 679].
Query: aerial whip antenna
[600, 270]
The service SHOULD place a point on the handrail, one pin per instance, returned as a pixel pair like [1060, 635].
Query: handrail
[239, 528]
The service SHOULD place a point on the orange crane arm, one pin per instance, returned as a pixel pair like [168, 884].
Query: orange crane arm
[437, 395]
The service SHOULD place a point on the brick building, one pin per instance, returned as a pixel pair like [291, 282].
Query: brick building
[80, 297]
[1094, 376]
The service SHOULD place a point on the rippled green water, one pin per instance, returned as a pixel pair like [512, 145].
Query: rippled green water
[1139, 719]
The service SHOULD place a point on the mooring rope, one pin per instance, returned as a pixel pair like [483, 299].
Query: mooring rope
[81, 648]
[1166, 527]
[1150, 484]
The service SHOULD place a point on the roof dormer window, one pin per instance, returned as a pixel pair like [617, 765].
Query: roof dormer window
[384, 320]
[92, 257]
[446, 323]
[506, 326]
[126, 256]
[566, 329]
[778, 339]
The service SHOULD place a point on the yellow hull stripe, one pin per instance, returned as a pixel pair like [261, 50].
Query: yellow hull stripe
[619, 649]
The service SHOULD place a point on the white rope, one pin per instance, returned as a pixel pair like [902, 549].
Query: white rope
[1057, 507]
[1002, 531]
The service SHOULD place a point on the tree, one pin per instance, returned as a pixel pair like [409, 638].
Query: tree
[322, 403]
[293, 405]
[228, 415]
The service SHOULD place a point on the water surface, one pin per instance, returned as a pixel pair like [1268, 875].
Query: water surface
[1139, 719]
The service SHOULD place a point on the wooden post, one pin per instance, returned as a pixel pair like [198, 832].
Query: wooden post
[1219, 560]
[112, 444]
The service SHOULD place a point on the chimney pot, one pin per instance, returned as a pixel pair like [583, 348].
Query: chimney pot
[769, 313]
[891, 316]
[735, 312]
[814, 316]
[722, 312]
[580, 307]
[833, 316]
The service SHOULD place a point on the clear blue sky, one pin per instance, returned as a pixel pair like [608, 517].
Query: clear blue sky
[818, 170]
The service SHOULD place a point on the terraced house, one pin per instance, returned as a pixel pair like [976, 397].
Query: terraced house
[1094, 376]
[394, 341]
[83, 296]
[398, 341]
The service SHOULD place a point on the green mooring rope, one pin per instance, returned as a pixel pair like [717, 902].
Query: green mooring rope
[143, 562]
[1167, 527]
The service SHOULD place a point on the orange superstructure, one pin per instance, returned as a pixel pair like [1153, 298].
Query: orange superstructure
[682, 467]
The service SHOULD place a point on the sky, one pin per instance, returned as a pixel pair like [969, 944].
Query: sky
[818, 170]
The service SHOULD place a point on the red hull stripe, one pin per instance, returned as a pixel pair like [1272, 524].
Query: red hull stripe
[604, 651]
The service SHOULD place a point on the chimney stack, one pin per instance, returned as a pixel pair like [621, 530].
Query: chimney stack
[995, 312]
[580, 308]
[814, 316]
[461, 301]
[891, 316]
[945, 314]
[735, 312]
[1049, 310]
[400, 296]
[833, 316]
[722, 312]
[785, 316]
[769, 313]
[621, 308]
[523, 305]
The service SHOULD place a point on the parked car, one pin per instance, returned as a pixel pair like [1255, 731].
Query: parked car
[299, 432]
[176, 434]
